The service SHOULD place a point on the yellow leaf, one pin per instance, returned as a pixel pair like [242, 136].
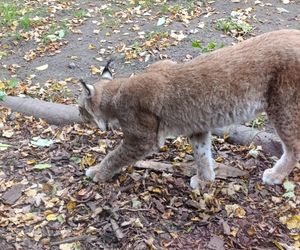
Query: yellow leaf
[91, 46]
[156, 190]
[31, 162]
[95, 70]
[158, 231]
[51, 217]
[297, 244]
[2, 85]
[219, 159]
[137, 223]
[235, 211]
[31, 192]
[150, 244]
[164, 148]
[234, 231]
[88, 160]
[174, 235]
[71, 205]
[70, 246]
[293, 222]
[28, 217]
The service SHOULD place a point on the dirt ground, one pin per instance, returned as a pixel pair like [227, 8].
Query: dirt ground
[46, 202]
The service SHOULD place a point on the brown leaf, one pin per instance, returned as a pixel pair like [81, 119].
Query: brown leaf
[12, 194]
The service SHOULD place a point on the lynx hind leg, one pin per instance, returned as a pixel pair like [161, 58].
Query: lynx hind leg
[287, 125]
[284, 166]
[202, 153]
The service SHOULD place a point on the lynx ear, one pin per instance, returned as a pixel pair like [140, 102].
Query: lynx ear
[106, 73]
[88, 88]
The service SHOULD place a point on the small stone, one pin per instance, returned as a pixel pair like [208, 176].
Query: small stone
[72, 65]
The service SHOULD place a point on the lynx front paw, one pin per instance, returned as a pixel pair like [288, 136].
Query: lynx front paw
[97, 175]
[271, 177]
[203, 178]
[208, 175]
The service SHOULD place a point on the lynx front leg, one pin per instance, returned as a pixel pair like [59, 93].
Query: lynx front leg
[202, 152]
[139, 140]
[125, 154]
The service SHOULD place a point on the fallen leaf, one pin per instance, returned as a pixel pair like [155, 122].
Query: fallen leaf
[43, 67]
[42, 142]
[293, 222]
[4, 146]
[2, 95]
[8, 133]
[282, 10]
[289, 189]
[70, 246]
[12, 194]
[235, 211]
[51, 217]
[42, 166]
[95, 70]
[161, 21]
[216, 242]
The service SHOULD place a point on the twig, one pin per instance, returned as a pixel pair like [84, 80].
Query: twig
[134, 210]
[69, 240]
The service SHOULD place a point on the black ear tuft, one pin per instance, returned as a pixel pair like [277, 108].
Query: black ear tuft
[106, 73]
[85, 86]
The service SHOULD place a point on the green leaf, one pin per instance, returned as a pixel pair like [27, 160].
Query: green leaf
[12, 83]
[289, 189]
[2, 95]
[161, 21]
[196, 44]
[42, 166]
[61, 34]
[289, 195]
[42, 142]
[61, 219]
[289, 186]
[52, 37]
[4, 146]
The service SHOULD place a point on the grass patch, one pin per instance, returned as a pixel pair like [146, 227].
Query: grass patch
[144, 3]
[259, 121]
[230, 25]
[211, 46]
[25, 23]
[79, 14]
[56, 32]
[8, 14]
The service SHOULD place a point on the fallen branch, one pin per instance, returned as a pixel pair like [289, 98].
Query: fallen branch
[189, 169]
[53, 113]
[243, 135]
[60, 114]
[70, 240]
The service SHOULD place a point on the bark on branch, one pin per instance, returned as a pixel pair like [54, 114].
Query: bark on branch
[60, 114]
[53, 113]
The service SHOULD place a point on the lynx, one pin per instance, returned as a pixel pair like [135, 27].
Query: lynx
[229, 85]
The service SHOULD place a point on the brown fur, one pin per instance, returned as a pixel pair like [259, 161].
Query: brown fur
[230, 85]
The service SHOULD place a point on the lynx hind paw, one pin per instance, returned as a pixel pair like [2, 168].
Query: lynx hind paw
[272, 178]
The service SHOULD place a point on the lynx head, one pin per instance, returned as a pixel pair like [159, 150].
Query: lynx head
[90, 99]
